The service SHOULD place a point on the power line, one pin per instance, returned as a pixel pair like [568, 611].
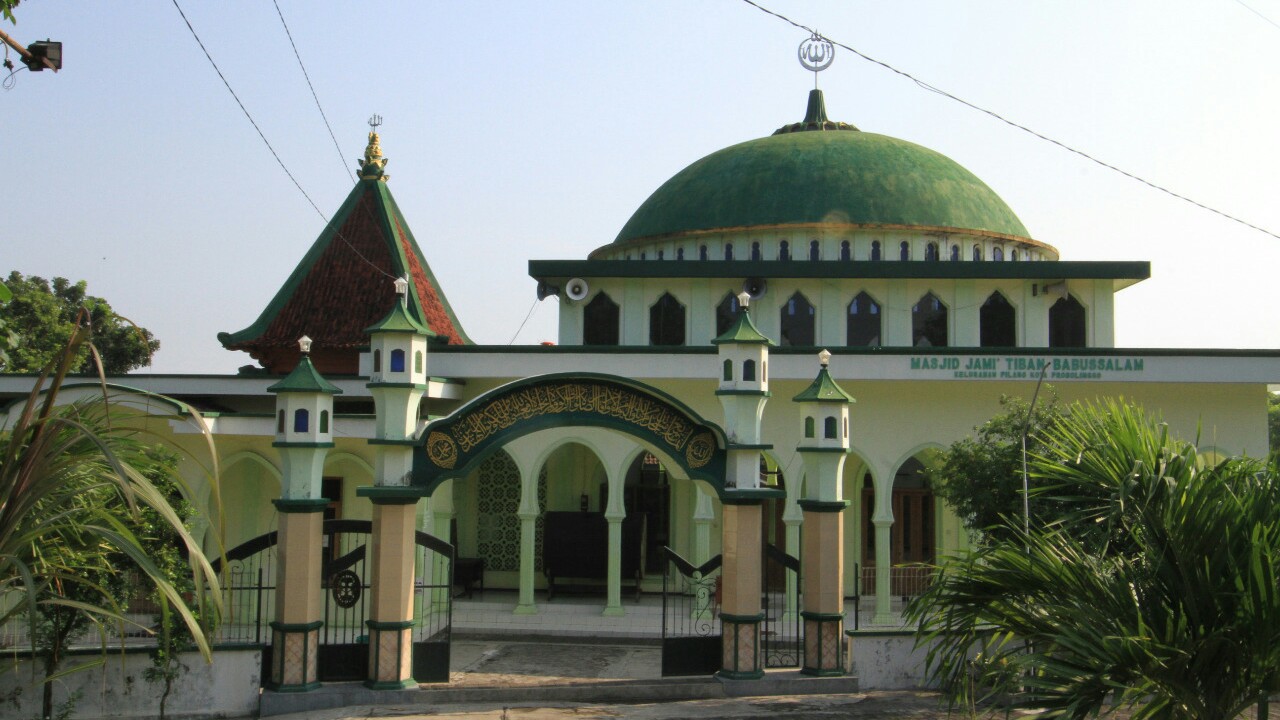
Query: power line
[336, 231]
[336, 146]
[1255, 12]
[532, 307]
[926, 86]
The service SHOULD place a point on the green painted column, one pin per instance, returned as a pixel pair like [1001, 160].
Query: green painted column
[884, 613]
[792, 517]
[613, 602]
[528, 531]
[704, 515]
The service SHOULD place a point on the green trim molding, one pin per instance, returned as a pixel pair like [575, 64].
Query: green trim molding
[409, 442]
[300, 505]
[385, 495]
[821, 617]
[759, 393]
[750, 496]
[287, 444]
[746, 446]
[405, 386]
[841, 451]
[388, 624]
[296, 627]
[823, 506]
[1125, 273]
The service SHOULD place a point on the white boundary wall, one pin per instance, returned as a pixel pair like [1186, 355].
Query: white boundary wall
[116, 689]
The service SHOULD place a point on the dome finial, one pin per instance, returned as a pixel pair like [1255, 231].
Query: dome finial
[817, 111]
[372, 167]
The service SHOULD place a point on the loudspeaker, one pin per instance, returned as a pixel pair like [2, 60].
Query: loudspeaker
[576, 289]
[755, 287]
[545, 291]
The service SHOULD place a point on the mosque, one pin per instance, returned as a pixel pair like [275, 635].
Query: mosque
[747, 383]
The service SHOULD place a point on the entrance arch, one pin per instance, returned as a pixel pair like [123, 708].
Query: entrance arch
[452, 445]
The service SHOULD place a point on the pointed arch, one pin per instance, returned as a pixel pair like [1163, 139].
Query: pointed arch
[1067, 323]
[797, 321]
[667, 321]
[600, 321]
[726, 313]
[997, 322]
[863, 326]
[929, 322]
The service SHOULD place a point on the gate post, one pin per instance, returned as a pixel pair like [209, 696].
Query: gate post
[398, 345]
[824, 446]
[391, 617]
[304, 406]
[740, 607]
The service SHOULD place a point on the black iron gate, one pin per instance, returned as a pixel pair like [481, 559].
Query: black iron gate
[690, 616]
[781, 632]
[250, 584]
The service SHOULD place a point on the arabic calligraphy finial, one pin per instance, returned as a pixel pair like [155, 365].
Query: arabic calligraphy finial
[816, 54]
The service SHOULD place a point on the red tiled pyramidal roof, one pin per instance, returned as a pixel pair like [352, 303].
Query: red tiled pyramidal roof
[344, 284]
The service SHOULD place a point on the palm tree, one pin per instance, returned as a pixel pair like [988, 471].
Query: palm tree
[1159, 591]
[73, 480]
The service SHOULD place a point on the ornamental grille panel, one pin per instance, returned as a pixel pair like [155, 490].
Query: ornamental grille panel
[497, 522]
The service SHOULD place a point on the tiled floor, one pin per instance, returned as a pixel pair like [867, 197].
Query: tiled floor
[581, 616]
[568, 615]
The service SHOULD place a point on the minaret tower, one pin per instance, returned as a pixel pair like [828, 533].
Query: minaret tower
[824, 445]
[304, 412]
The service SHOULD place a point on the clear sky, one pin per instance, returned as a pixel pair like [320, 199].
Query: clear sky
[523, 130]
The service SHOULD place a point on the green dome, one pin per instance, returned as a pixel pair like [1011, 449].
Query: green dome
[828, 173]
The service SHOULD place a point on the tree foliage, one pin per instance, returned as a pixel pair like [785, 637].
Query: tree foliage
[1273, 422]
[81, 503]
[44, 316]
[980, 476]
[1157, 592]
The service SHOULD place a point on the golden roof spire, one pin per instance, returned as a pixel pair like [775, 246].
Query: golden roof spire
[372, 167]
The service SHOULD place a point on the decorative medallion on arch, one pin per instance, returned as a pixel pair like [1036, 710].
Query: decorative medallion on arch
[452, 444]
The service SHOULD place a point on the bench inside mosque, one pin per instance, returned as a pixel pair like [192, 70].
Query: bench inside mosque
[575, 551]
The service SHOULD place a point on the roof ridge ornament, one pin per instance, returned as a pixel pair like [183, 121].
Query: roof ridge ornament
[372, 167]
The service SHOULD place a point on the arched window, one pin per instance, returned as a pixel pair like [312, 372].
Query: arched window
[324, 421]
[997, 253]
[904, 251]
[397, 361]
[702, 252]
[784, 250]
[1067, 323]
[642, 255]
[863, 323]
[600, 321]
[728, 251]
[749, 370]
[377, 361]
[1013, 255]
[875, 250]
[728, 370]
[808, 427]
[955, 253]
[679, 253]
[280, 421]
[929, 322]
[815, 253]
[797, 322]
[301, 420]
[997, 322]
[726, 313]
[755, 251]
[417, 361]
[830, 428]
[931, 252]
[666, 321]
[662, 254]
[977, 251]
[844, 251]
